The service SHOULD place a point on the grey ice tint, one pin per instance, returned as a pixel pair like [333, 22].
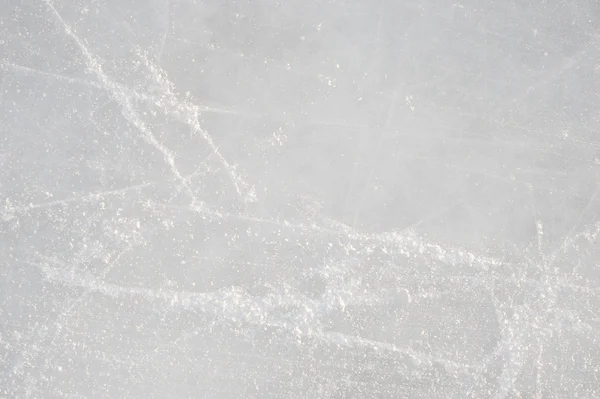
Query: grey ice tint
[299, 199]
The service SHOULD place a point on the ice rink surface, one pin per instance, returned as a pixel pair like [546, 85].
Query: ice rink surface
[299, 199]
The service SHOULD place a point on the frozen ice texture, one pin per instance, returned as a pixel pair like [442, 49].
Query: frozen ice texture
[299, 199]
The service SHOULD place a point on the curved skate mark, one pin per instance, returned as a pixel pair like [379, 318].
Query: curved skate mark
[237, 306]
[406, 243]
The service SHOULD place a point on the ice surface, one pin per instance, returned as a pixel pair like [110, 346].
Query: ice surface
[299, 199]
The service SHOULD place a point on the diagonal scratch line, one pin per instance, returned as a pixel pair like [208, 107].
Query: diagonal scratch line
[189, 113]
[163, 40]
[570, 235]
[128, 112]
[23, 209]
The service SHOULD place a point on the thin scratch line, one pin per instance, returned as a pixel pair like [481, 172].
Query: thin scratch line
[380, 23]
[130, 114]
[189, 114]
[86, 197]
[32, 71]
[167, 29]
[233, 304]
[143, 97]
[570, 235]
